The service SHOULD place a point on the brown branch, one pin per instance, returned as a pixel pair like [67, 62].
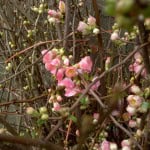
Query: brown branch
[28, 141]
[144, 36]
[23, 101]
[67, 21]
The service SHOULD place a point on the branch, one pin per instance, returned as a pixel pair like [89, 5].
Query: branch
[28, 141]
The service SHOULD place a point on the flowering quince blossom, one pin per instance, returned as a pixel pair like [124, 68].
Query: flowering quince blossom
[132, 124]
[71, 71]
[67, 83]
[135, 89]
[138, 65]
[53, 65]
[82, 27]
[114, 36]
[61, 6]
[56, 106]
[105, 145]
[72, 92]
[54, 14]
[134, 100]
[126, 142]
[113, 146]
[60, 74]
[86, 64]
[91, 21]
[131, 110]
[48, 55]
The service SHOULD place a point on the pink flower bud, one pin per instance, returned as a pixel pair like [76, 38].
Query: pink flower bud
[61, 6]
[126, 142]
[113, 146]
[126, 148]
[105, 145]
[59, 98]
[82, 27]
[135, 89]
[66, 61]
[91, 21]
[56, 106]
[132, 124]
[55, 14]
[138, 57]
[131, 110]
[96, 31]
[114, 36]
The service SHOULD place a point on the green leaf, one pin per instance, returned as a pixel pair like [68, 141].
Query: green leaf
[73, 118]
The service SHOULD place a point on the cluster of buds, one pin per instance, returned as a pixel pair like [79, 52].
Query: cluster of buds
[89, 27]
[55, 16]
[126, 37]
[106, 145]
[138, 65]
[66, 74]
[42, 113]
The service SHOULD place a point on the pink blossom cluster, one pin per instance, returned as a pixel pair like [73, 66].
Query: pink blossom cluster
[138, 65]
[89, 27]
[65, 73]
[56, 16]
[107, 145]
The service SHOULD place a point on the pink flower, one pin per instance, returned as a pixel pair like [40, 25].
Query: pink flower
[114, 36]
[96, 116]
[96, 85]
[138, 58]
[82, 27]
[126, 142]
[134, 100]
[126, 148]
[66, 61]
[132, 124]
[60, 74]
[131, 110]
[137, 67]
[67, 83]
[72, 92]
[48, 56]
[105, 145]
[86, 64]
[53, 13]
[91, 21]
[56, 106]
[113, 146]
[71, 72]
[61, 6]
[53, 65]
[135, 89]
[59, 98]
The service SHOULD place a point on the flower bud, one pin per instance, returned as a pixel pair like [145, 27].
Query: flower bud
[43, 110]
[61, 6]
[135, 89]
[96, 31]
[114, 36]
[30, 110]
[44, 117]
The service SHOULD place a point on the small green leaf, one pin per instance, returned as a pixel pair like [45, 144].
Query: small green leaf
[73, 118]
